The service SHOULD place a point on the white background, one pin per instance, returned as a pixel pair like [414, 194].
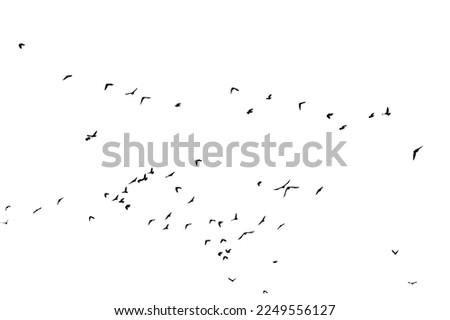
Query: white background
[351, 58]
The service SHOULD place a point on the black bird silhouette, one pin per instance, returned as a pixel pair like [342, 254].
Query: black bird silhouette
[144, 178]
[206, 241]
[233, 88]
[122, 200]
[90, 136]
[166, 227]
[187, 225]
[343, 127]
[197, 161]
[192, 200]
[116, 198]
[394, 252]
[235, 217]
[127, 206]
[7, 207]
[168, 216]
[300, 105]
[169, 175]
[151, 171]
[178, 105]
[108, 84]
[225, 258]
[245, 233]
[283, 186]
[212, 220]
[131, 93]
[59, 201]
[177, 188]
[371, 115]
[280, 226]
[412, 282]
[329, 115]
[126, 190]
[134, 180]
[143, 98]
[263, 219]
[265, 292]
[106, 195]
[232, 280]
[150, 221]
[250, 111]
[415, 152]
[6, 222]
[288, 188]
[269, 97]
[91, 217]
[223, 240]
[387, 113]
[37, 210]
[67, 77]
[275, 261]
[220, 224]
[259, 183]
[227, 250]
[320, 189]
[220, 253]
[21, 45]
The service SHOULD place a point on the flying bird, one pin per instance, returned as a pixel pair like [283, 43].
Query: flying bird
[197, 161]
[143, 98]
[394, 252]
[320, 189]
[168, 216]
[265, 292]
[227, 250]
[225, 258]
[276, 261]
[233, 88]
[127, 206]
[90, 136]
[187, 225]
[151, 171]
[281, 225]
[288, 188]
[122, 200]
[263, 219]
[245, 233]
[250, 111]
[415, 152]
[178, 105]
[134, 180]
[91, 217]
[259, 183]
[212, 220]
[343, 127]
[108, 85]
[67, 77]
[131, 93]
[126, 190]
[269, 97]
[177, 188]
[169, 175]
[150, 221]
[7, 207]
[59, 201]
[412, 282]
[371, 115]
[223, 240]
[106, 195]
[300, 105]
[166, 227]
[6, 222]
[220, 224]
[192, 200]
[37, 210]
[283, 186]
[235, 217]
[220, 253]
[116, 198]
[387, 113]
[21, 45]
[206, 241]
[329, 115]
[232, 280]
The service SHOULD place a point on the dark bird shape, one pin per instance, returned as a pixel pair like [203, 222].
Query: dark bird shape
[178, 105]
[412, 282]
[269, 97]
[134, 180]
[233, 89]
[343, 127]
[127, 206]
[126, 190]
[90, 136]
[108, 85]
[143, 98]
[151, 171]
[275, 261]
[232, 280]
[220, 253]
[387, 113]
[192, 200]
[228, 250]
[177, 188]
[235, 217]
[21, 45]
[150, 221]
[245, 233]
[259, 183]
[91, 217]
[320, 189]
[288, 188]
[187, 225]
[329, 115]
[223, 240]
[394, 252]
[250, 111]
[7, 207]
[131, 93]
[206, 241]
[415, 152]
[300, 105]
[225, 258]
[59, 201]
[166, 227]
[169, 175]
[122, 200]
[283, 186]
[220, 224]
[116, 198]
[212, 220]
[281, 225]
[168, 216]
[106, 195]
[263, 219]
[371, 115]
[265, 292]
[67, 77]
[37, 210]
[6, 222]
[197, 161]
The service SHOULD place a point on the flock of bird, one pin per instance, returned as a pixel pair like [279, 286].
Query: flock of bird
[225, 250]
